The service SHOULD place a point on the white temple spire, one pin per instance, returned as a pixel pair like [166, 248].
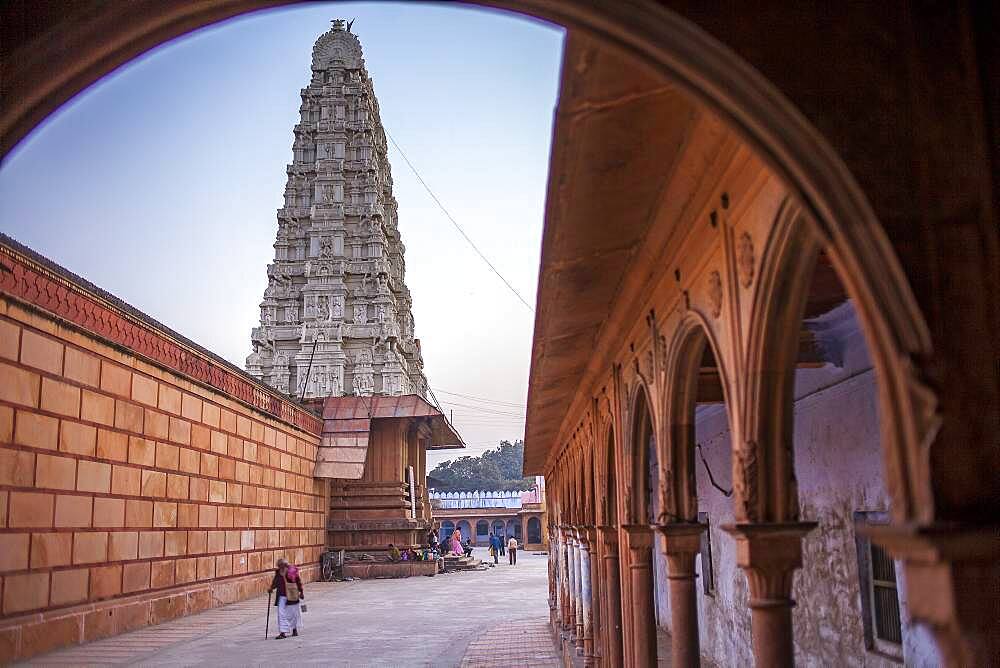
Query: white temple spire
[336, 316]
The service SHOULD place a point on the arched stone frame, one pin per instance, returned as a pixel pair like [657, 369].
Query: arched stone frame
[481, 522]
[538, 523]
[763, 466]
[612, 517]
[587, 476]
[896, 333]
[604, 463]
[636, 568]
[642, 407]
[685, 54]
[609, 518]
[574, 482]
[684, 354]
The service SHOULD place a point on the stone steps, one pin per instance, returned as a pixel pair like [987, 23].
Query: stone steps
[452, 564]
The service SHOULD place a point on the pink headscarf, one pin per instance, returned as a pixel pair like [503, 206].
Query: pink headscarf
[293, 572]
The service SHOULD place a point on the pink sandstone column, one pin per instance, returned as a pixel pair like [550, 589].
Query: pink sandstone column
[640, 546]
[612, 615]
[578, 550]
[568, 616]
[769, 554]
[680, 543]
[553, 577]
[586, 537]
[574, 602]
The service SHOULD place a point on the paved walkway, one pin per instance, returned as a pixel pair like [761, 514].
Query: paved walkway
[494, 617]
[527, 644]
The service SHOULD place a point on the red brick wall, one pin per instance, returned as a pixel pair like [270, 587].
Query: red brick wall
[129, 493]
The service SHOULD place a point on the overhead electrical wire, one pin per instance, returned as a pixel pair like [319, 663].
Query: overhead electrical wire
[455, 223]
[481, 399]
[485, 411]
[488, 416]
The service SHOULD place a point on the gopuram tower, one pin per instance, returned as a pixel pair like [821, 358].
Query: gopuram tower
[336, 317]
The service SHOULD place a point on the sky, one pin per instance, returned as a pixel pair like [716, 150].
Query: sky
[160, 183]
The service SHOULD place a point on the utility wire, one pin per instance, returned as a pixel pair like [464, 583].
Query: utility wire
[482, 399]
[468, 417]
[483, 409]
[454, 222]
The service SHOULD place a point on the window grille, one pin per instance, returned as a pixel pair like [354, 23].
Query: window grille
[705, 556]
[885, 597]
[879, 592]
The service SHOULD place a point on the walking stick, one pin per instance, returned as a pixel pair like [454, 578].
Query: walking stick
[267, 626]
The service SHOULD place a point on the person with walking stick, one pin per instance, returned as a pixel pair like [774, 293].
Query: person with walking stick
[288, 587]
[267, 624]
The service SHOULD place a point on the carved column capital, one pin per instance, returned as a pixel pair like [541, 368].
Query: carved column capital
[769, 554]
[587, 535]
[680, 543]
[639, 538]
[608, 538]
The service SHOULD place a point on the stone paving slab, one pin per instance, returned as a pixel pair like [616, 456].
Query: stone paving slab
[514, 644]
[418, 621]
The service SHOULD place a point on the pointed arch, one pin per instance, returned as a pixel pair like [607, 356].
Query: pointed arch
[765, 478]
[686, 351]
[641, 445]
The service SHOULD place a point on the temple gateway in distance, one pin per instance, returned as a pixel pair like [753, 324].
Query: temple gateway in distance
[337, 317]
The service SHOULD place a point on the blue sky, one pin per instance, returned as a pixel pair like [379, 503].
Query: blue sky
[161, 182]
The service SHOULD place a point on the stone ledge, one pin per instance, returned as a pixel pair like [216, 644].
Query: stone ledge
[396, 569]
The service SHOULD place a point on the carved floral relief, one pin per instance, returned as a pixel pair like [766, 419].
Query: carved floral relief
[715, 293]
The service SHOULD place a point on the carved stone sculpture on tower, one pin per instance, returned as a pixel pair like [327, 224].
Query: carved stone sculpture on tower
[337, 245]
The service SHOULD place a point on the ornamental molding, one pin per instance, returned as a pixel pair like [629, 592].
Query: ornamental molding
[745, 259]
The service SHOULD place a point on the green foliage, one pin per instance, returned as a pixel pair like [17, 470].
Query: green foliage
[498, 470]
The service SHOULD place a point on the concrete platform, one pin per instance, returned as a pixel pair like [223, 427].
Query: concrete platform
[366, 570]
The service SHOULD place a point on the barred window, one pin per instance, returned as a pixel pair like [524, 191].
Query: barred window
[705, 557]
[879, 592]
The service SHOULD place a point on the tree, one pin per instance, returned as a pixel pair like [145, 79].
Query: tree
[494, 470]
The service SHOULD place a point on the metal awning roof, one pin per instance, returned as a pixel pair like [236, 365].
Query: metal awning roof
[347, 423]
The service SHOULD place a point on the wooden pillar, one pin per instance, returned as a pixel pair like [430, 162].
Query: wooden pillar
[680, 544]
[769, 554]
[639, 539]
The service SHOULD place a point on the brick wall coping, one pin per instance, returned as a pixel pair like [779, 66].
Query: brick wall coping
[32, 278]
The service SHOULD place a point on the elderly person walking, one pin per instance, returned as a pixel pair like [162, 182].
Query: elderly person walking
[289, 587]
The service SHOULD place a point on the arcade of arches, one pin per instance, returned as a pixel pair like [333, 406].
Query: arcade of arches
[767, 305]
[526, 528]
